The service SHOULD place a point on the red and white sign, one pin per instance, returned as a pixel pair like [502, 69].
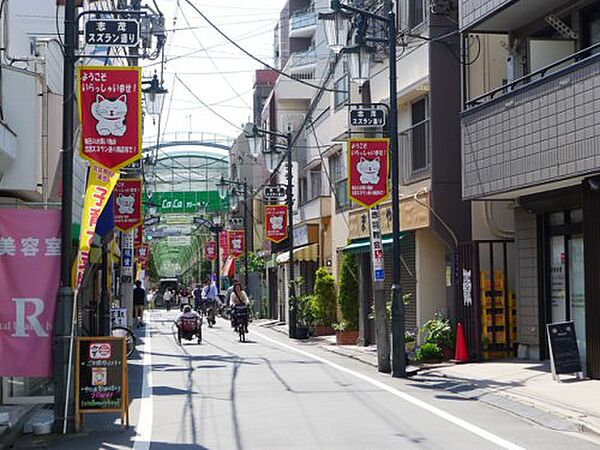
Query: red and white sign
[29, 276]
[210, 250]
[138, 236]
[223, 245]
[100, 350]
[236, 243]
[128, 203]
[368, 170]
[276, 223]
[110, 112]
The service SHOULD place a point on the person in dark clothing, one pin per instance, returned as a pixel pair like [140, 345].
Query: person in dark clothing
[139, 301]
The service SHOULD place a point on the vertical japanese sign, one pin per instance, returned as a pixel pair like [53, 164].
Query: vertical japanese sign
[128, 204]
[236, 243]
[110, 112]
[210, 250]
[101, 183]
[276, 223]
[223, 245]
[29, 276]
[138, 236]
[126, 258]
[376, 245]
[368, 171]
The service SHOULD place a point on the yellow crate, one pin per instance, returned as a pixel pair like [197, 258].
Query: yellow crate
[486, 280]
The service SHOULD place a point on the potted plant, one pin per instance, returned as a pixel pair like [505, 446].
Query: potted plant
[304, 316]
[438, 331]
[347, 328]
[429, 352]
[410, 341]
[323, 302]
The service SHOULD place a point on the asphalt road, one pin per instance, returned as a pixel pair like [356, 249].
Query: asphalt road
[273, 393]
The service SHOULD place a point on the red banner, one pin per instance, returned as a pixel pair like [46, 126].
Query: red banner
[110, 112]
[128, 203]
[276, 223]
[236, 243]
[138, 236]
[223, 245]
[29, 276]
[368, 171]
[210, 250]
[142, 252]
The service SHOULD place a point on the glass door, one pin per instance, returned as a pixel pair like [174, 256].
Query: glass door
[577, 293]
[558, 294]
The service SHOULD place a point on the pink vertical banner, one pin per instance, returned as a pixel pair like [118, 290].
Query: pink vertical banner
[29, 280]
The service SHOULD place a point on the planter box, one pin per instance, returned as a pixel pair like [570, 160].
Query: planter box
[346, 337]
[324, 330]
[301, 333]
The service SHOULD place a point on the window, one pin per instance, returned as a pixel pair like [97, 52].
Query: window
[339, 178]
[303, 190]
[412, 13]
[315, 183]
[419, 147]
[342, 89]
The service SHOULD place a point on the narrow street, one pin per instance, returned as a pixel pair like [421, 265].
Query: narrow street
[272, 393]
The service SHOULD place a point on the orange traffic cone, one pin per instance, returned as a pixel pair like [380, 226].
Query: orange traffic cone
[460, 355]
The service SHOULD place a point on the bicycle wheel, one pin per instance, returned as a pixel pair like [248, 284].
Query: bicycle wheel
[129, 338]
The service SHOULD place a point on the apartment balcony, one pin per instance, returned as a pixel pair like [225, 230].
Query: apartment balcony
[315, 208]
[504, 15]
[300, 66]
[415, 152]
[541, 129]
[303, 24]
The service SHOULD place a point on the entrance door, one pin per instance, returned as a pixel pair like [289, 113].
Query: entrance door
[558, 293]
[577, 292]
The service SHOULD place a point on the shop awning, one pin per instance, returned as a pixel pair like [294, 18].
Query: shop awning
[364, 245]
[306, 253]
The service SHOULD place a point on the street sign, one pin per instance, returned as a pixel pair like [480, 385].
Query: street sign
[112, 32]
[276, 223]
[376, 246]
[128, 203]
[368, 170]
[367, 115]
[153, 220]
[110, 113]
[275, 193]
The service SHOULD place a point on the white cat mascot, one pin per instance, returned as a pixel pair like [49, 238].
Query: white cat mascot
[110, 115]
[237, 244]
[125, 204]
[276, 222]
[369, 170]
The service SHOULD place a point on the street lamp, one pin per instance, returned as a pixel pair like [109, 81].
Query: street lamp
[337, 27]
[154, 96]
[358, 64]
[271, 152]
[222, 188]
[234, 198]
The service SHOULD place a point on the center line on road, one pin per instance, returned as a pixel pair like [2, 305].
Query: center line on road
[143, 436]
[404, 396]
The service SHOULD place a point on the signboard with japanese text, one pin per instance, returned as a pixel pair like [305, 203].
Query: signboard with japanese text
[30, 249]
[100, 184]
[564, 352]
[223, 245]
[235, 243]
[368, 171]
[128, 203]
[275, 193]
[276, 223]
[210, 250]
[138, 236]
[377, 262]
[367, 115]
[118, 317]
[101, 376]
[127, 258]
[112, 32]
[110, 114]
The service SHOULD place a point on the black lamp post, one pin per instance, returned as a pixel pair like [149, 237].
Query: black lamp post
[272, 151]
[154, 96]
[222, 187]
[336, 30]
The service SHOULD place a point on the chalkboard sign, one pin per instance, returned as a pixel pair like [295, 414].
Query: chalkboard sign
[101, 376]
[564, 354]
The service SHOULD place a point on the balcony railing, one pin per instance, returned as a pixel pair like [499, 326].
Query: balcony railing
[577, 58]
[303, 58]
[415, 152]
[303, 19]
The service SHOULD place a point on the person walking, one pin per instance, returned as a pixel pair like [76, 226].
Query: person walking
[151, 299]
[167, 297]
[139, 301]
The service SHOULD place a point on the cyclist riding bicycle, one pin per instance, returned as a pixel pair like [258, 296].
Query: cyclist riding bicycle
[239, 308]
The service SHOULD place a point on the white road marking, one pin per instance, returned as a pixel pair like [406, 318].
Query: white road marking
[404, 396]
[143, 436]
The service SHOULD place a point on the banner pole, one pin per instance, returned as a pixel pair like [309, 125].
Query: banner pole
[69, 367]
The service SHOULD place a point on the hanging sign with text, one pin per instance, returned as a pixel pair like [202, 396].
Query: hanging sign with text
[112, 32]
[376, 245]
[276, 223]
[128, 204]
[224, 245]
[138, 236]
[368, 171]
[110, 115]
[210, 250]
[236, 243]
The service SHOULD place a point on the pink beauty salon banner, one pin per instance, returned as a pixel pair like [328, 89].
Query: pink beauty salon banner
[29, 280]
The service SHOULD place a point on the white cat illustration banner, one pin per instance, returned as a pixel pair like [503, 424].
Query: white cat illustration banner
[236, 243]
[110, 114]
[128, 204]
[368, 171]
[276, 223]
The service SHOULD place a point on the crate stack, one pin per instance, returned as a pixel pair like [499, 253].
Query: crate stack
[494, 316]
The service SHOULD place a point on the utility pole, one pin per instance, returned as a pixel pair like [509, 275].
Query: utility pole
[64, 307]
[246, 234]
[290, 201]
